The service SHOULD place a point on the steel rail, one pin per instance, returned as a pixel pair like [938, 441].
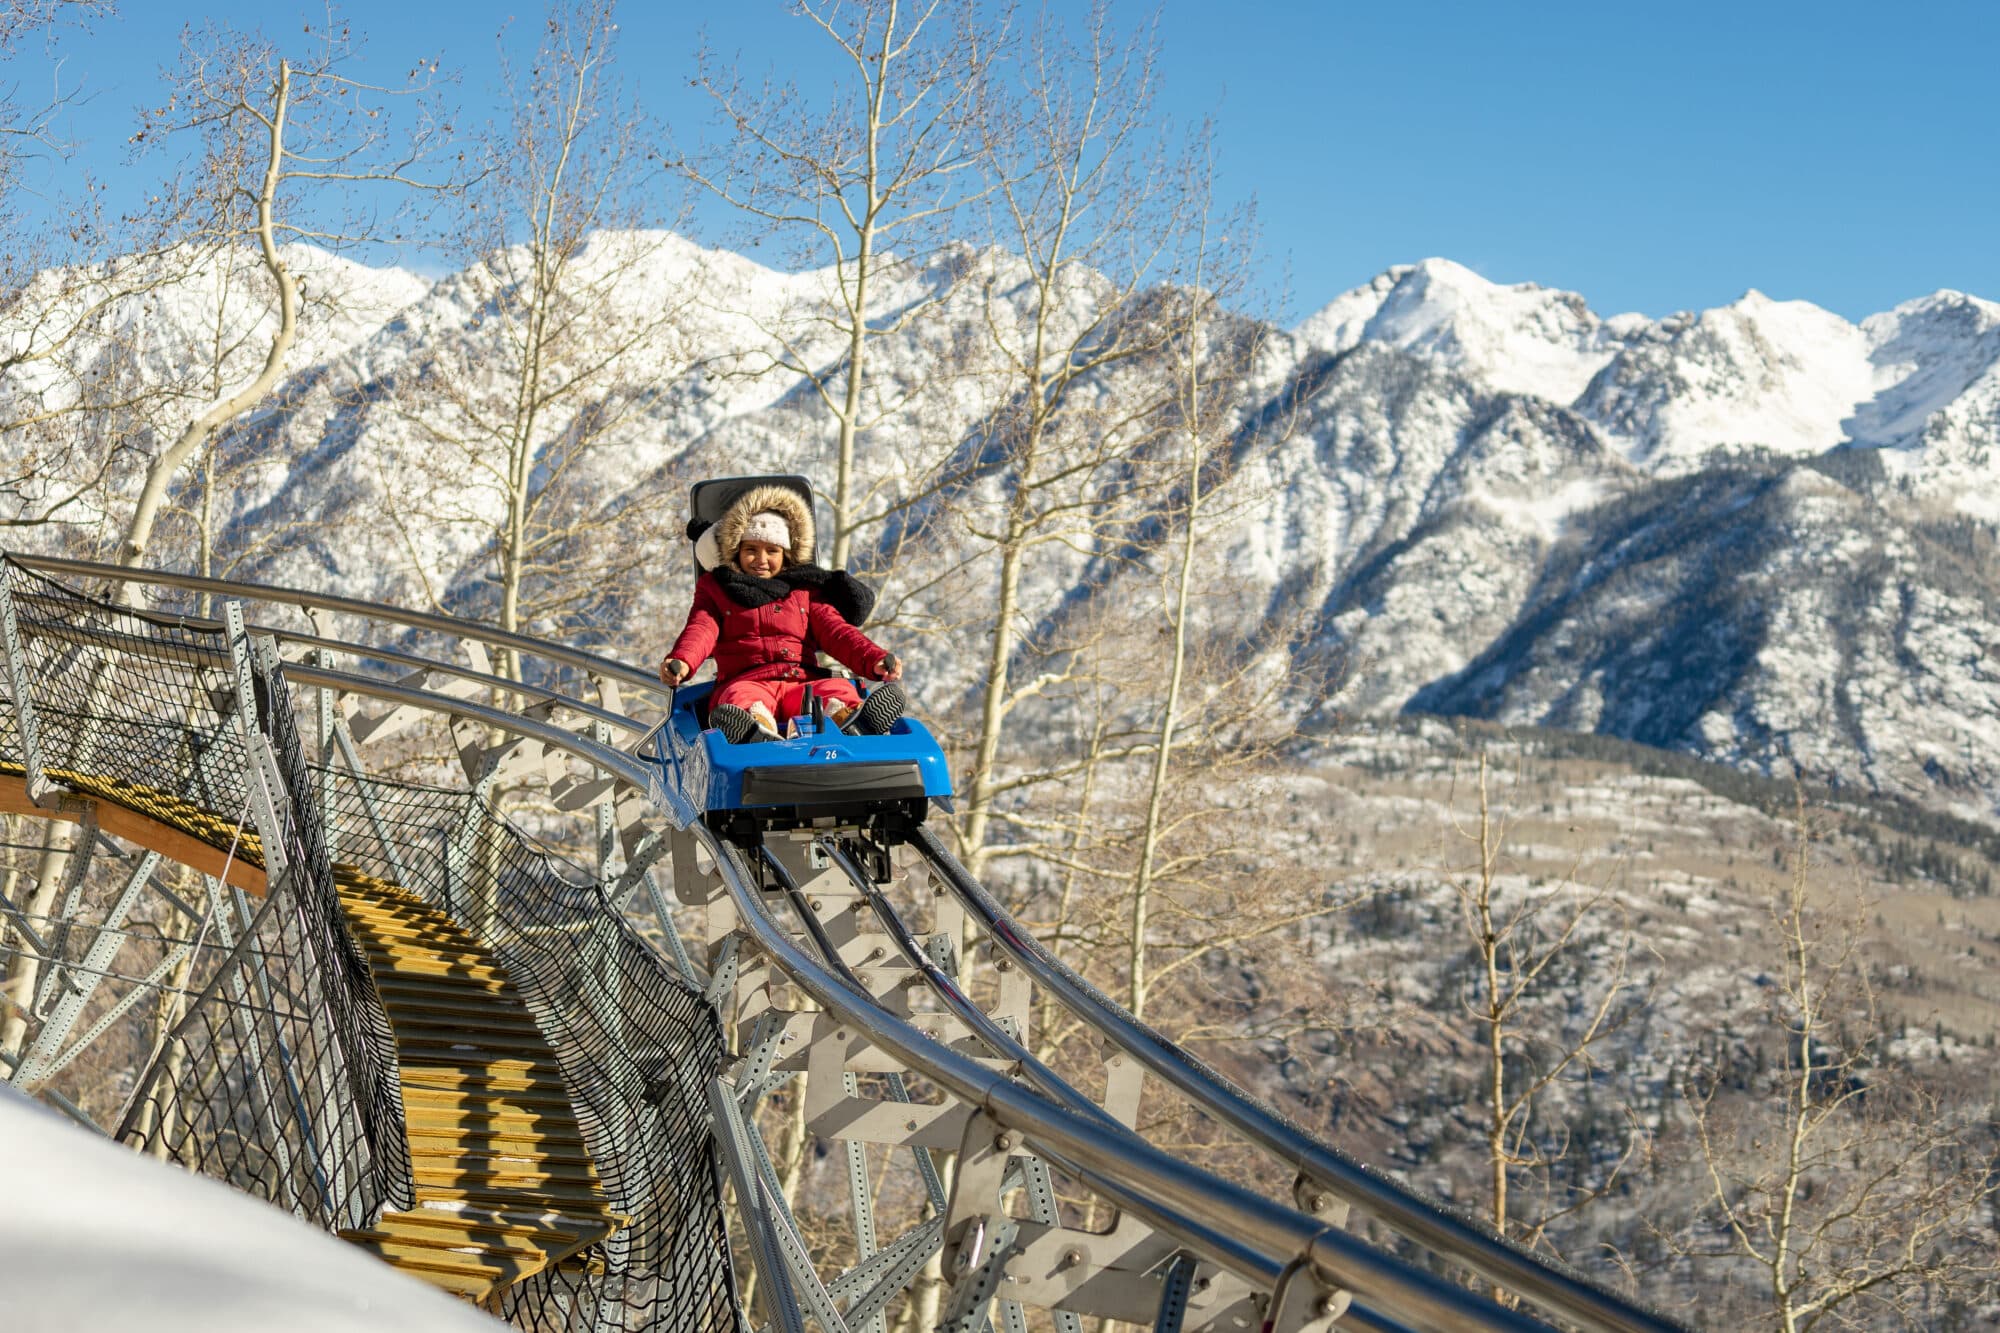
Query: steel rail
[534, 694]
[1497, 1261]
[1151, 1185]
[617, 763]
[981, 1023]
[996, 1038]
[1076, 1145]
[1245, 1232]
[620, 764]
[429, 620]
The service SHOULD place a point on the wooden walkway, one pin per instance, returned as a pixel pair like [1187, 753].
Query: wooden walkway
[505, 1186]
[504, 1183]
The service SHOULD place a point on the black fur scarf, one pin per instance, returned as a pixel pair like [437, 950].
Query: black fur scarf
[836, 587]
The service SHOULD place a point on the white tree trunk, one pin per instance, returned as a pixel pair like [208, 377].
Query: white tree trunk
[198, 432]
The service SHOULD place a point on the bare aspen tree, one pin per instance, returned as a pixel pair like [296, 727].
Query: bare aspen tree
[1525, 940]
[97, 362]
[1082, 198]
[1852, 1194]
[282, 144]
[221, 338]
[20, 19]
[272, 134]
[863, 183]
[1204, 894]
[580, 320]
[1210, 357]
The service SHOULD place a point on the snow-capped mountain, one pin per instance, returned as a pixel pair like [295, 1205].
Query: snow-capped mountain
[1757, 533]
[1785, 377]
[1522, 339]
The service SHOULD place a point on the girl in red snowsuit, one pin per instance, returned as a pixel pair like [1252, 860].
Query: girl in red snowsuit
[763, 610]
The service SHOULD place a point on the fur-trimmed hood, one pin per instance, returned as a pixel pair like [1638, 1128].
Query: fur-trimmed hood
[722, 540]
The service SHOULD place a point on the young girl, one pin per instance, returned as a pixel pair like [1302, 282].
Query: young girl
[764, 609]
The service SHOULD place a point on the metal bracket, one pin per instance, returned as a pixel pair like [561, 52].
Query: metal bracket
[974, 1217]
[1301, 1303]
[1316, 1199]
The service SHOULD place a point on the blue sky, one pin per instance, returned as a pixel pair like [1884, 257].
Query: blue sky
[1651, 157]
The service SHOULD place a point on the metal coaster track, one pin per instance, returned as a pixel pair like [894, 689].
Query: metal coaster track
[1190, 1249]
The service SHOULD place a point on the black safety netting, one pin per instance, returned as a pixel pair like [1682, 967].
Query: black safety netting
[637, 1044]
[279, 1075]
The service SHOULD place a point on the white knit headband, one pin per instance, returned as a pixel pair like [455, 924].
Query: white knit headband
[768, 526]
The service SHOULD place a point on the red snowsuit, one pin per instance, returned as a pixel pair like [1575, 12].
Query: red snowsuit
[765, 654]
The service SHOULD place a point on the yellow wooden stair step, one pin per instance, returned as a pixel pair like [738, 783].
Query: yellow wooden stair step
[545, 1226]
[485, 1132]
[525, 1178]
[504, 1151]
[429, 964]
[477, 1132]
[569, 1197]
[471, 1275]
[471, 1251]
[476, 1035]
[537, 1104]
[438, 1078]
[433, 1010]
[461, 990]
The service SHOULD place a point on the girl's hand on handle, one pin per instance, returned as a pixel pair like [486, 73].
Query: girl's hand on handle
[673, 671]
[890, 668]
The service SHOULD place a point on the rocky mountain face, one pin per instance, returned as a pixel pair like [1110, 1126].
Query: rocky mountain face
[1757, 534]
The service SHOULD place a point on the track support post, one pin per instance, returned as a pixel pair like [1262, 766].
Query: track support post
[262, 782]
[24, 704]
[40, 1061]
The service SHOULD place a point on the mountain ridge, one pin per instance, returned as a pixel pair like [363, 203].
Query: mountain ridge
[1750, 533]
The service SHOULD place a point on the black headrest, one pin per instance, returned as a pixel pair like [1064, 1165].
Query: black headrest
[709, 500]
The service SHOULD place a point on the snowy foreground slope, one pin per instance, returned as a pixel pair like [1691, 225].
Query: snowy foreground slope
[98, 1237]
[1758, 534]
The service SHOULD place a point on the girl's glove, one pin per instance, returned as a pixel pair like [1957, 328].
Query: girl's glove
[890, 667]
[673, 671]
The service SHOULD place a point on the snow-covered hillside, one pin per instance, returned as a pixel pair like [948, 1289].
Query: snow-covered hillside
[100, 1237]
[1757, 533]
